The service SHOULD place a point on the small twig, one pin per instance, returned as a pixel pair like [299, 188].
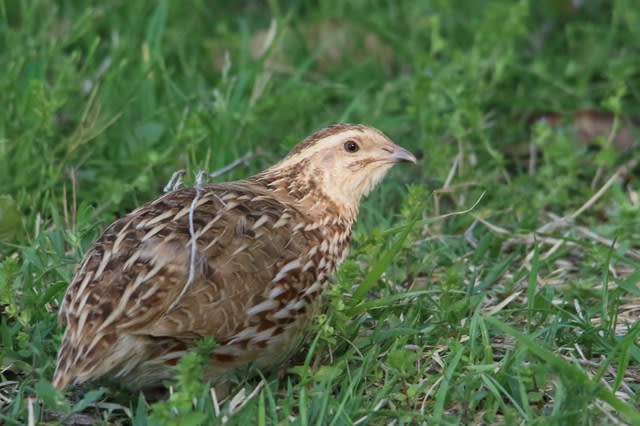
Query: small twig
[240, 400]
[635, 254]
[590, 202]
[240, 161]
[452, 171]
[461, 212]
[612, 134]
[446, 215]
[578, 308]
[112, 406]
[177, 178]
[468, 235]
[175, 182]
[492, 227]
[214, 400]
[554, 247]
[31, 415]
[200, 179]
[453, 188]
[447, 182]
[497, 308]
[627, 389]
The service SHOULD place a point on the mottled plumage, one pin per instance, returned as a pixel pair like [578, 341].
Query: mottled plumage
[264, 250]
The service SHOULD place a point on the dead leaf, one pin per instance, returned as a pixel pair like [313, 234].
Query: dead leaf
[590, 125]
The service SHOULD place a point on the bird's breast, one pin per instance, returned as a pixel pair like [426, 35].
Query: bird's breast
[278, 322]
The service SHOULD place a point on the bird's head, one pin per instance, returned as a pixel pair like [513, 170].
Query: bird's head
[341, 163]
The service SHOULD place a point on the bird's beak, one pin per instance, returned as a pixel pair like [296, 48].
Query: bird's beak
[401, 155]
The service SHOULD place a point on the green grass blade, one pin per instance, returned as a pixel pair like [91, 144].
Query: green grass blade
[569, 371]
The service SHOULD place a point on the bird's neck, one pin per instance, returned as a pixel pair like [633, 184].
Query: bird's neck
[306, 190]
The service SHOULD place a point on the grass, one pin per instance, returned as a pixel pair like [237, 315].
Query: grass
[465, 300]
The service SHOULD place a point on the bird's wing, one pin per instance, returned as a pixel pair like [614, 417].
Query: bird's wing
[140, 278]
[238, 269]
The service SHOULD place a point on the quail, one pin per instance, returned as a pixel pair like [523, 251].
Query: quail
[244, 262]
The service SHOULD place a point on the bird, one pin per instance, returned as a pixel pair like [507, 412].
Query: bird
[243, 262]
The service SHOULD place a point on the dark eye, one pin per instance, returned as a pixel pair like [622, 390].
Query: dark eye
[351, 146]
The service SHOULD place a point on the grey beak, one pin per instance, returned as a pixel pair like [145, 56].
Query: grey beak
[401, 155]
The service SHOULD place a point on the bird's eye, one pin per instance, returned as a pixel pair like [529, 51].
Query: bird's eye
[351, 146]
